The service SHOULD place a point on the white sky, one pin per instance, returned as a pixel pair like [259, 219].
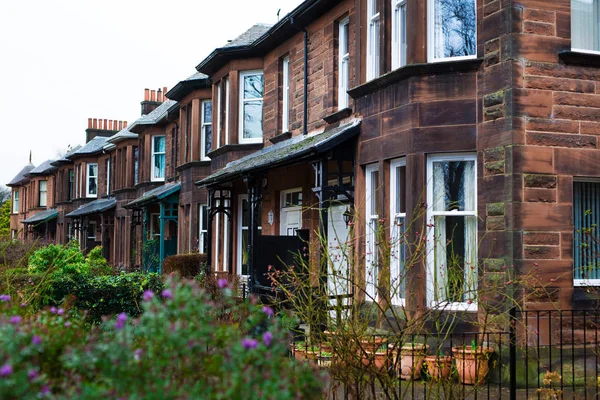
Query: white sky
[64, 61]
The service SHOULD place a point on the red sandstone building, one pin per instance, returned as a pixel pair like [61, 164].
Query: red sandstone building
[476, 129]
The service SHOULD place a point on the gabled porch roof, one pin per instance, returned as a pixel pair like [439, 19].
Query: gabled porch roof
[95, 207]
[287, 152]
[155, 195]
[41, 217]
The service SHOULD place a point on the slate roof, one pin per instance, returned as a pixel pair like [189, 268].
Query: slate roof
[42, 169]
[21, 176]
[41, 217]
[248, 37]
[286, 152]
[157, 115]
[64, 159]
[123, 134]
[182, 88]
[93, 146]
[95, 207]
[155, 194]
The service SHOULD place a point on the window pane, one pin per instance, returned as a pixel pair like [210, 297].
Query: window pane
[586, 217]
[92, 170]
[245, 236]
[398, 259]
[92, 188]
[400, 190]
[253, 86]
[454, 186]
[454, 28]
[253, 119]
[585, 18]
[373, 192]
[136, 166]
[207, 112]
[159, 144]
[159, 166]
[207, 139]
[245, 213]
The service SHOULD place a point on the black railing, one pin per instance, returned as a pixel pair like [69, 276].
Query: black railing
[534, 354]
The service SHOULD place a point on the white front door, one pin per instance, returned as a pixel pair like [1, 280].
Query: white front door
[338, 267]
[291, 212]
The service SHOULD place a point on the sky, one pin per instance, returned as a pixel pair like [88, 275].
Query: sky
[64, 61]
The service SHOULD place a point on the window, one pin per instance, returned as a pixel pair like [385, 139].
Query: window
[43, 193]
[285, 94]
[226, 110]
[585, 25]
[69, 231]
[107, 166]
[203, 228]
[77, 181]
[218, 132]
[158, 158]
[91, 232]
[187, 133]
[397, 230]
[343, 63]
[206, 139]
[398, 33]
[136, 165]
[452, 29]
[372, 231]
[452, 236]
[71, 184]
[291, 212]
[372, 40]
[586, 258]
[251, 104]
[92, 180]
[243, 235]
[15, 205]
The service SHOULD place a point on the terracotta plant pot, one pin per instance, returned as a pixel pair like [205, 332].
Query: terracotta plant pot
[439, 367]
[411, 360]
[372, 344]
[301, 353]
[472, 364]
[378, 360]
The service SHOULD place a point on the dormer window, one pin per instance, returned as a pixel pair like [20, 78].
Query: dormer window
[585, 26]
[452, 30]
[251, 105]
[158, 158]
[43, 193]
[92, 180]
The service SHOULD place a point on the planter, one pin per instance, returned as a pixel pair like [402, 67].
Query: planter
[372, 344]
[377, 360]
[472, 364]
[302, 353]
[439, 367]
[411, 360]
[325, 359]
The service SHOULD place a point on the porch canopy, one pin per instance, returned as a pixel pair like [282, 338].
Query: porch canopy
[94, 207]
[154, 196]
[41, 217]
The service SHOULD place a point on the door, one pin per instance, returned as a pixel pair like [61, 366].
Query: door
[291, 212]
[338, 267]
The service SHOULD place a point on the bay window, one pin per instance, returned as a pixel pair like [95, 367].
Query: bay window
[92, 180]
[285, 94]
[43, 193]
[452, 232]
[398, 33]
[373, 40]
[158, 158]
[452, 29]
[226, 110]
[206, 131]
[71, 184]
[397, 231]
[15, 204]
[343, 63]
[585, 25]
[372, 232]
[251, 105]
[218, 132]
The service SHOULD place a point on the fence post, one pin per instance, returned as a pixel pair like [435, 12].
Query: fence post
[512, 365]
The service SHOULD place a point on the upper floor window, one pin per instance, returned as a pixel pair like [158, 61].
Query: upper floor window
[92, 180]
[343, 63]
[285, 94]
[15, 204]
[107, 176]
[585, 25]
[251, 105]
[43, 194]
[372, 232]
[206, 138]
[218, 132]
[398, 33]
[452, 29]
[226, 110]
[136, 165]
[158, 158]
[71, 184]
[187, 133]
[372, 40]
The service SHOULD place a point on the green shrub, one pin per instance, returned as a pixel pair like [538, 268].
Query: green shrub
[59, 258]
[186, 265]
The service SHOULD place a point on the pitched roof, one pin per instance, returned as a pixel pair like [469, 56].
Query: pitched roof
[155, 194]
[43, 169]
[93, 146]
[21, 176]
[123, 134]
[196, 81]
[95, 207]
[64, 159]
[248, 37]
[157, 115]
[286, 152]
[41, 217]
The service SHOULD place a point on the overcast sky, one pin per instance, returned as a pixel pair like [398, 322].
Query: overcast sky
[64, 61]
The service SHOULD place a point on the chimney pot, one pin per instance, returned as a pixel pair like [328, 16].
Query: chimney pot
[95, 125]
[105, 124]
[153, 95]
[124, 124]
[89, 123]
[146, 94]
[165, 90]
[110, 124]
[159, 95]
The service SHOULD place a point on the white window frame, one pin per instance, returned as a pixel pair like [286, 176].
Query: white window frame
[597, 19]
[398, 244]
[577, 282]
[108, 177]
[89, 177]
[204, 125]
[450, 306]
[373, 40]
[226, 111]
[286, 209]
[241, 228]
[91, 232]
[431, 36]
[202, 233]
[399, 49]
[15, 205]
[371, 250]
[45, 192]
[243, 75]
[217, 142]
[285, 94]
[155, 177]
[343, 71]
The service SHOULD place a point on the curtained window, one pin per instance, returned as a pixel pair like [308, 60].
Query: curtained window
[585, 29]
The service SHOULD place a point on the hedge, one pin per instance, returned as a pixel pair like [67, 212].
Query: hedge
[186, 265]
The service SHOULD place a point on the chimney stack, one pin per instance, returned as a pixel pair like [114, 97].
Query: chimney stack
[152, 99]
[102, 127]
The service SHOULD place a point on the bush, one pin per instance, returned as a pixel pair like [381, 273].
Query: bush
[186, 265]
[59, 258]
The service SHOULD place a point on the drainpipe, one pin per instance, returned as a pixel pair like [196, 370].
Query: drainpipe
[305, 102]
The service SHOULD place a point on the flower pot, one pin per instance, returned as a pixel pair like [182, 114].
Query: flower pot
[439, 367]
[302, 353]
[325, 360]
[472, 364]
[377, 360]
[411, 360]
[372, 344]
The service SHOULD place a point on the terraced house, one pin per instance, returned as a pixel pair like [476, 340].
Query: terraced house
[470, 126]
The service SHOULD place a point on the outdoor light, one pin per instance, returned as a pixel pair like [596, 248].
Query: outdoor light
[347, 216]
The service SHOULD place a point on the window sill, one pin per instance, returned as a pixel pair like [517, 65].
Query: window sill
[586, 282]
[233, 147]
[338, 115]
[281, 137]
[471, 64]
[582, 59]
[190, 164]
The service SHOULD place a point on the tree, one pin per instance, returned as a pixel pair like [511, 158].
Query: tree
[5, 218]
[4, 194]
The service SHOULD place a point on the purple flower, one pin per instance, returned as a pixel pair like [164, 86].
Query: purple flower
[6, 370]
[121, 318]
[53, 310]
[4, 297]
[23, 305]
[60, 311]
[45, 390]
[148, 295]
[167, 294]
[268, 310]
[36, 340]
[249, 343]
[222, 283]
[137, 355]
[267, 338]
[15, 319]
[32, 374]
[67, 324]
